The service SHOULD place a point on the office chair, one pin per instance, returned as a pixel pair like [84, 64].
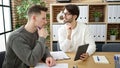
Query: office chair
[2, 56]
[111, 47]
[56, 46]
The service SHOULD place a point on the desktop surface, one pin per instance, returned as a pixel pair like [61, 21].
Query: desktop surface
[89, 63]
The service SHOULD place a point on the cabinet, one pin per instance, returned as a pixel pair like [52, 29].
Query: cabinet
[110, 18]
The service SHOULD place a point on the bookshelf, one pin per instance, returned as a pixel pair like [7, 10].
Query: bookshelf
[89, 19]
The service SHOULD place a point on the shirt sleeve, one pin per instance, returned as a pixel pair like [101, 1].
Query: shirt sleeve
[89, 40]
[27, 55]
[63, 41]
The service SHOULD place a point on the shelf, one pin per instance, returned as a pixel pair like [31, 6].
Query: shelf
[113, 41]
[113, 23]
[56, 10]
[56, 23]
[86, 3]
[97, 23]
[100, 41]
[97, 8]
[110, 3]
[91, 8]
[111, 26]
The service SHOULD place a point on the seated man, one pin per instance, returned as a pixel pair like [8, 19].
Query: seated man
[74, 34]
[26, 45]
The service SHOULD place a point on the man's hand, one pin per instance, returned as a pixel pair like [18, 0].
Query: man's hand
[84, 56]
[50, 61]
[42, 32]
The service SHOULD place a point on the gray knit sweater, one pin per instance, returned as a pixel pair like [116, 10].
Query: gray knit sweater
[24, 49]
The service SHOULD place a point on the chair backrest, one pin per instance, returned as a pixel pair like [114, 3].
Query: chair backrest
[111, 47]
[2, 56]
[56, 46]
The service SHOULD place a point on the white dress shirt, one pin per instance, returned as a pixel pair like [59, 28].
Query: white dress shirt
[80, 36]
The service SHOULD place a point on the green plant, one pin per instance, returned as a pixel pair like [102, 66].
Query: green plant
[25, 4]
[114, 31]
[22, 10]
[17, 25]
[22, 13]
[97, 14]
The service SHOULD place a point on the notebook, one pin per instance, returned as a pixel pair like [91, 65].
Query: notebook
[59, 55]
[100, 59]
[81, 49]
[58, 65]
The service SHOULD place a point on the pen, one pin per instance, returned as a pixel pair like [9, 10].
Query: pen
[117, 59]
[98, 58]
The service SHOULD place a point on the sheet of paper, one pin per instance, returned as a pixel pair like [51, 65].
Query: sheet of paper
[58, 65]
[59, 55]
[100, 59]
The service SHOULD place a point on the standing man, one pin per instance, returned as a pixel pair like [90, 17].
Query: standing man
[74, 34]
[26, 46]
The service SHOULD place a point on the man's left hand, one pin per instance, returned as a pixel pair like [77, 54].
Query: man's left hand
[84, 56]
[50, 61]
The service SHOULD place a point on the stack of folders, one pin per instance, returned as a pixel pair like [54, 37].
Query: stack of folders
[117, 60]
[100, 59]
[59, 55]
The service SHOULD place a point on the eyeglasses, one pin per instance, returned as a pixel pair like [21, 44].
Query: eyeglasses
[67, 14]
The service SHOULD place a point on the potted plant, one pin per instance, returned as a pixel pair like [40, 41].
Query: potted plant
[113, 33]
[97, 16]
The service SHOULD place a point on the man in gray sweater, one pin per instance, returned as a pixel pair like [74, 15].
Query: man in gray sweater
[26, 46]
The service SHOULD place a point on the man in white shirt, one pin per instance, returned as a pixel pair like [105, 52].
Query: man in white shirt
[73, 34]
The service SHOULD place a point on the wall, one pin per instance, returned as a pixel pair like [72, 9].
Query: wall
[48, 2]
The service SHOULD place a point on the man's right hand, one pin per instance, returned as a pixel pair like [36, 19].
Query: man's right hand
[42, 32]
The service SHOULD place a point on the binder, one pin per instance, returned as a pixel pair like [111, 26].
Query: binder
[118, 14]
[79, 17]
[110, 13]
[95, 33]
[114, 13]
[55, 32]
[83, 14]
[92, 31]
[103, 32]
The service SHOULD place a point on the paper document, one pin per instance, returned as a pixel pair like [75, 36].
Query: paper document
[58, 65]
[59, 55]
[100, 59]
[117, 55]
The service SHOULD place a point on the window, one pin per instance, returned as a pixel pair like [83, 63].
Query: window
[5, 22]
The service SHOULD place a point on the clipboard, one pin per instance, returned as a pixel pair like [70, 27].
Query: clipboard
[81, 49]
